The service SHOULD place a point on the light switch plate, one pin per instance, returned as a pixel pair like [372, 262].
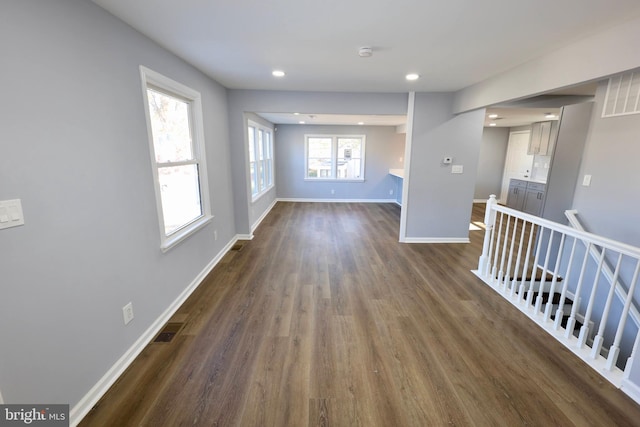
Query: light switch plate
[457, 169]
[11, 213]
[586, 181]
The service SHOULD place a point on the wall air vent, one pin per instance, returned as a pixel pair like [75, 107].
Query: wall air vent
[623, 95]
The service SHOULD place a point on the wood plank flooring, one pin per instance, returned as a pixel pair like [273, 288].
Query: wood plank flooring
[324, 319]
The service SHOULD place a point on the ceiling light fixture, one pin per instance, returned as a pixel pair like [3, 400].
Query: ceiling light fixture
[301, 122]
[549, 116]
[493, 124]
[296, 114]
[277, 73]
[493, 116]
[360, 123]
[365, 51]
[412, 76]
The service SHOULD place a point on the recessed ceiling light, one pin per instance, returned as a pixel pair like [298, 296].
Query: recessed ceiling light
[277, 73]
[493, 124]
[549, 116]
[296, 114]
[360, 123]
[301, 122]
[493, 116]
[412, 76]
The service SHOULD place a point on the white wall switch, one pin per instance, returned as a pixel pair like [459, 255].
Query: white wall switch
[586, 181]
[11, 213]
[457, 169]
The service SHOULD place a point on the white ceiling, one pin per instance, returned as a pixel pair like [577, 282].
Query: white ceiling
[511, 117]
[451, 44]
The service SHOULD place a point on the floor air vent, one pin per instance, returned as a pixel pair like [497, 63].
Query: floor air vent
[168, 332]
[237, 247]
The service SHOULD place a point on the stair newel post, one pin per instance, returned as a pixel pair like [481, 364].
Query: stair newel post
[584, 330]
[554, 282]
[597, 341]
[563, 295]
[614, 351]
[489, 222]
[576, 304]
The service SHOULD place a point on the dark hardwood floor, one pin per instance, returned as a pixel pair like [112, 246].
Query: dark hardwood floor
[324, 319]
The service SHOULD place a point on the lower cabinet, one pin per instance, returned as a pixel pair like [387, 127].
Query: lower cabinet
[526, 196]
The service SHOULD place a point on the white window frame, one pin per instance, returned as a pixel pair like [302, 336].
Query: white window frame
[265, 164]
[334, 158]
[153, 80]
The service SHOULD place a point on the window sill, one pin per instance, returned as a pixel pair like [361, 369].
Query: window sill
[171, 241]
[259, 195]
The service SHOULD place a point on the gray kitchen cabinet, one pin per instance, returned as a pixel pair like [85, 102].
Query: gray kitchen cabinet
[540, 138]
[534, 198]
[517, 190]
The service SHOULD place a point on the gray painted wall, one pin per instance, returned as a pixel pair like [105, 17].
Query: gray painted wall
[439, 202]
[75, 150]
[493, 150]
[382, 152]
[242, 101]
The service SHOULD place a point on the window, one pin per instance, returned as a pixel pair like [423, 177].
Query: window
[176, 141]
[339, 157]
[260, 140]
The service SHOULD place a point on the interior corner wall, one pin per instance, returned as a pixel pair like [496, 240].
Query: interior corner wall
[75, 150]
[493, 149]
[243, 101]
[439, 202]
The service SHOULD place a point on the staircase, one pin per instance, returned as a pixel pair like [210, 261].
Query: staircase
[577, 286]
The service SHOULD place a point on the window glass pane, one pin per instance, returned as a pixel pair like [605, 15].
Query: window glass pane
[252, 144]
[267, 145]
[260, 144]
[180, 194]
[319, 163]
[252, 168]
[349, 158]
[170, 127]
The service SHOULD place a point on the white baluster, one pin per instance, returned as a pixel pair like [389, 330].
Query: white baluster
[584, 330]
[514, 282]
[534, 268]
[525, 267]
[614, 351]
[552, 290]
[504, 253]
[597, 341]
[574, 308]
[560, 312]
[545, 269]
[507, 281]
[494, 270]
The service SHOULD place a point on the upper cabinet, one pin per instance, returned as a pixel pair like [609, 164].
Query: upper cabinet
[540, 138]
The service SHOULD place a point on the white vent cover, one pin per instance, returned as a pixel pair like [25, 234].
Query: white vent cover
[623, 94]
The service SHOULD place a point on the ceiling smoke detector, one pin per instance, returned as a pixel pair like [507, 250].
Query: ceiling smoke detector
[365, 51]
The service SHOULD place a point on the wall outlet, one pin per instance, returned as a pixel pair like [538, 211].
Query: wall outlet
[127, 313]
[391, 192]
[215, 234]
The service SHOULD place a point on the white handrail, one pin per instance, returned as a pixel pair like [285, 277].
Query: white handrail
[527, 270]
[621, 293]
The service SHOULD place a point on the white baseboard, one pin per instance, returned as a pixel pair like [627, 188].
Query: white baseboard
[336, 200]
[435, 240]
[263, 216]
[632, 390]
[398, 203]
[244, 236]
[1, 399]
[82, 408]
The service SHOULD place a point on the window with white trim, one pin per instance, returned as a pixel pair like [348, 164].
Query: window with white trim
[334, 157]
[176, 143]
[260, 141]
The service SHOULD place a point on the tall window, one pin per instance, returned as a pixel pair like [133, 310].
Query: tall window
[337, 157]
[176, 141]
[260, 140]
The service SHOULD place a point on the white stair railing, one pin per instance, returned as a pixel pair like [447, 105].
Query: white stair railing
[559, 276]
